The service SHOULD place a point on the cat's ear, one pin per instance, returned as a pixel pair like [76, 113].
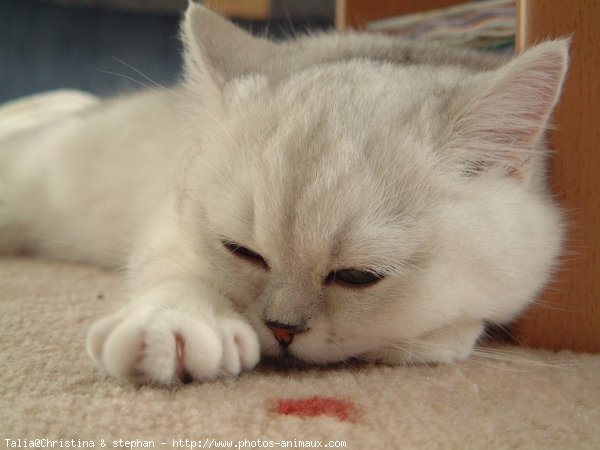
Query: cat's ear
[502, 126]
[216, 50]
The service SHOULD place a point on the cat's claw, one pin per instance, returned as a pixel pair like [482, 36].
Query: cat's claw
[168, 347]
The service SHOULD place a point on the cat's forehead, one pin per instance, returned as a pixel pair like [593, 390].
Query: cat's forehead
[330, 156]
[357, 100]
[353, 81]
[373, 117]
[318, 165]
[365, 83]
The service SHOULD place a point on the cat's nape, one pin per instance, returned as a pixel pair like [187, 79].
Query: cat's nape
[331, 197]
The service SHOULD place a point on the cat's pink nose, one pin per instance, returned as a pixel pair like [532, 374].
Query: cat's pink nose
[284, 333]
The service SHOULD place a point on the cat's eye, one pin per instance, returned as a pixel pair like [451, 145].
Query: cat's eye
[353, 277]
[245, 253]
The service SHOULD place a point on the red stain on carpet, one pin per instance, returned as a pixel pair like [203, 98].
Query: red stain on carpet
[317, 406]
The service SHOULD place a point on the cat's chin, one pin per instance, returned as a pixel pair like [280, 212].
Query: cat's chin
[285, 360]
[298, 357]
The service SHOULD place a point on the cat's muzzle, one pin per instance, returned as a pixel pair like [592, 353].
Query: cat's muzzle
[284, 333]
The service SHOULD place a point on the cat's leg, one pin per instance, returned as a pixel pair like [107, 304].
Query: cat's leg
[177, 326]
[172, 333]
[447, 344]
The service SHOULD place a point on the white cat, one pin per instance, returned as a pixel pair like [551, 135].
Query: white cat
[331, 197]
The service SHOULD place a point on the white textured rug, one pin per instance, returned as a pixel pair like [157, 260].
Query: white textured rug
[49, 389]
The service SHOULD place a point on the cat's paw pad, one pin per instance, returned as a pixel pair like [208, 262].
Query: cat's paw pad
[166, 347]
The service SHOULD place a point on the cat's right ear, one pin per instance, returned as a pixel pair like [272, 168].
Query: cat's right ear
[215, 50]
[510, 111]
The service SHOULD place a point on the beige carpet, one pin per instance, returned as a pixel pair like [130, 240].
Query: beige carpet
[49, 389]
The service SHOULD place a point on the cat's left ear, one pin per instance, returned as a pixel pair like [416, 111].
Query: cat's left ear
[216, 50]
[506, 120]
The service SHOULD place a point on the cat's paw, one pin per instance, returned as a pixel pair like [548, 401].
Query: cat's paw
[445, 345]
[166, 347]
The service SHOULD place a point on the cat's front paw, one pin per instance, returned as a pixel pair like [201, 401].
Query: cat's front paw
[167, 346]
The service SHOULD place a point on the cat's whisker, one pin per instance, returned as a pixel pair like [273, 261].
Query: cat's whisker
[196, 108]
[415, 356]
[404, 348]
[487, 356]
[496, 365]
[138, 82]
[160, 86]
[290, 24]
[515, 357]
[551, 306]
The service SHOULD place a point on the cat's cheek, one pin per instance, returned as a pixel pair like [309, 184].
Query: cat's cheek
[446, 345]
[319, 346]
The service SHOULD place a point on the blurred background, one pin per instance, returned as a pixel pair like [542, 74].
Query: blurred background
[109, 46]
[90, 44]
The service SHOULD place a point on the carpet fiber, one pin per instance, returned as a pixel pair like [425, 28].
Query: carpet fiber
[50, 389]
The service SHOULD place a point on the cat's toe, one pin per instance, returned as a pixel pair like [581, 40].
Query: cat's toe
[241, 350]
[97, 335]
[166, 350]
[167, 347]
[123, 348]
[198, 352]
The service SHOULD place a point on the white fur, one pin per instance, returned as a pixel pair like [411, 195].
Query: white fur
[422, 164]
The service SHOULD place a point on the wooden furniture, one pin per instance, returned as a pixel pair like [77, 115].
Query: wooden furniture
[248, 9]
[356, 13]
[567, 314]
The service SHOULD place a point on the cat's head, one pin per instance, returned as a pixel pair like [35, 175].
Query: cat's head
[357, 205]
